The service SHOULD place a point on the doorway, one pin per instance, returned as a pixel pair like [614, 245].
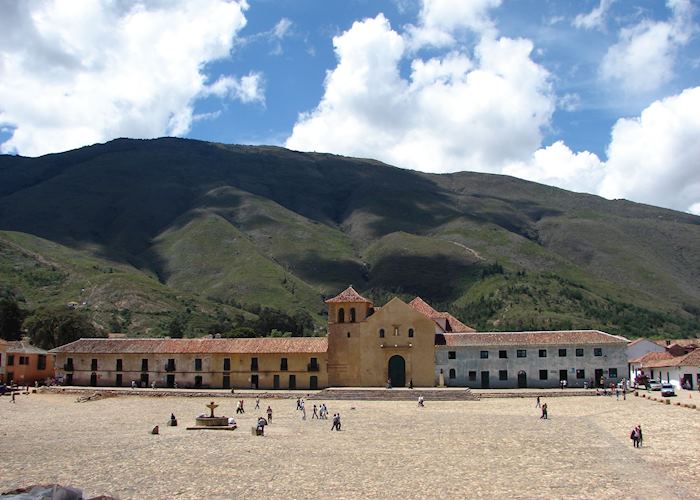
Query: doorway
[485, 380]
[93, 379]
[170, 381]
[292, 381]
[313, 382]
[397, 371]
[563, 375]
[522, 380]
[276, 382]
[144, 380]
[599, 379]
[118, 381]
[254, 381]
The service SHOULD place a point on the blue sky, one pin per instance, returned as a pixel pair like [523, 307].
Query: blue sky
[598, 96]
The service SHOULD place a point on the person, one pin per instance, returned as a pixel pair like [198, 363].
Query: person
[624, 392]
[561, 385]
[133, 384]
[410, 384]
[269, 414]
[544, 411]
[336, 422]
[12, 396]
[640, 437]
[257, 403]
[239, 407]
[388, 383]
[232, 422]
[173, 420]
[564, 382]
[420, 401]
[315, 414]
[242, 410]
[617, 393]
[538, 405]
[153, 385]
[298, 404]
[634, 436]
[303, 411]
[260, 429]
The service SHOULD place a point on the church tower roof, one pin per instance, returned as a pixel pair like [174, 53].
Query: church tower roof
[348, 295]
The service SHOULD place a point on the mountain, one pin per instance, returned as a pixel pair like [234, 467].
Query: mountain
[149, 228]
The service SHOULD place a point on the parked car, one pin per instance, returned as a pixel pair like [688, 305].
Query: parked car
[668, 390]
[654, 385]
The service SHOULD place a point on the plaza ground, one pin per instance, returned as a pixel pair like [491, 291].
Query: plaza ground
[488, 448]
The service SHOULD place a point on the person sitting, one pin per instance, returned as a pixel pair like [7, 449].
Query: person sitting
[232, 422]
[421, 401]
[173, 421]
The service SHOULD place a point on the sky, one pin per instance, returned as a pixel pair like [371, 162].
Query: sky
[596, 96]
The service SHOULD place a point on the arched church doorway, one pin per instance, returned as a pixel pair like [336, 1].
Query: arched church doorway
[397, 371]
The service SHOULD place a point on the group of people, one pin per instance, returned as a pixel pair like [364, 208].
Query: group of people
[320, 412]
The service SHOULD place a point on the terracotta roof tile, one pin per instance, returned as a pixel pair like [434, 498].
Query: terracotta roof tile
[181, 346]
[348, 295]
[566, 337]
[652, 356]
[690, 359]
[19, 346]
[453, 324]
[424, 308]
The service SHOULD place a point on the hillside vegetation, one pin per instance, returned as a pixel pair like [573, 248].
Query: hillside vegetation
[141, 234]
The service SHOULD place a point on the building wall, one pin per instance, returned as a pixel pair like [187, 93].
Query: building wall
[641, 348]
[359, 357]
[468, 359]
[26, 373]
[212, 373]
[671, 374]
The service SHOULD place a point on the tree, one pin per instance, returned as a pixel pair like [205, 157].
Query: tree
[50, 328]
[11, 318]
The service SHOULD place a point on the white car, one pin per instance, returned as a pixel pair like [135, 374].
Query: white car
[654, 385]
[668, 390]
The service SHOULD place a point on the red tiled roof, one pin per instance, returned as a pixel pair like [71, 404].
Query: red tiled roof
[348, 295]
[21, 347]
[453, 324]
[690, 359]
[652, 356]
[566, 337]
[181, 346]
[424, 308]
[681, 342]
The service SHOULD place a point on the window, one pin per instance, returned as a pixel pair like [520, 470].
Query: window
[396, 331]
[543, 374]
[612, 372]
[119, 365]
[484, 355]
[598, 351]
[198, 364]
[562, 353]
[144, 365]
[341, 315]
[502, 354]
[348, 334]
[10, 360]
[69, 364]
[23, 360]
[543, 353]
[41, 362]
[313, 365]
[451, 354]
[381, 333]
[522, 353]
[227, 364]
[410, 332]
[502, 374]
[352, 315]
[472, 376]
[253, 364]
[93, 365]
[579, 352]
[580, 373]
[453, 373]
[283, 364]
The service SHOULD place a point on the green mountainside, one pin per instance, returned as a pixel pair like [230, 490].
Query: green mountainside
[138, 232]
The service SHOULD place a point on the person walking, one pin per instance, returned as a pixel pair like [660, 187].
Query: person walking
[639, 435]
[538, 405]
[617, 393]
[12, 396]
[298, 404]
[269, 414]
[634, 436]
[421, 401]
[257, 403]
[315, 414]
[544, 411]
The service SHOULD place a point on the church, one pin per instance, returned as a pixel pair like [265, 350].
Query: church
[399, 343]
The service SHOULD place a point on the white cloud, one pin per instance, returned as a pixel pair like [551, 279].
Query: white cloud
[595, 18]
[570, 102]
[74, 73]
[282, 28]
[452, 113]
[438, 20]
[654, 158]
[249, 88]
[643, 58]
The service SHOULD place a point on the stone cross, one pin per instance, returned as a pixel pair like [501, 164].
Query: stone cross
[211, 406]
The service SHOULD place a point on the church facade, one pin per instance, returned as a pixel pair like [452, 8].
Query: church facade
[399, 343]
